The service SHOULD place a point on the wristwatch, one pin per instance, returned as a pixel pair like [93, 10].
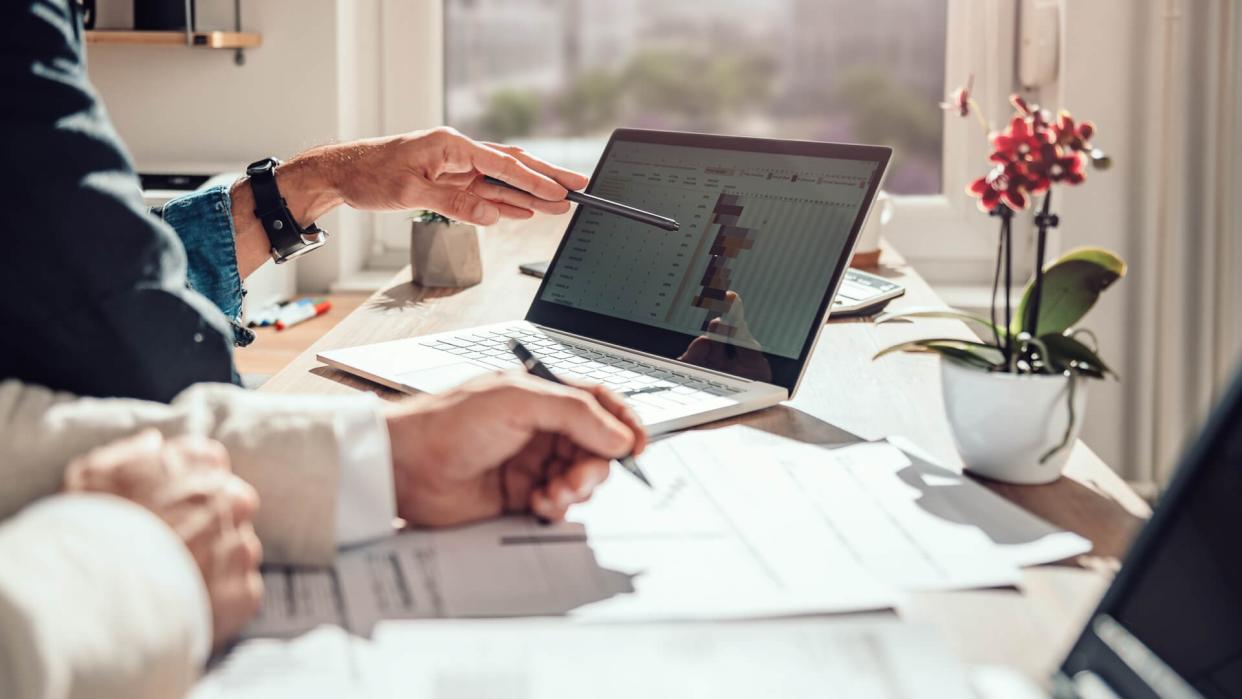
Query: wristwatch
[288, 239]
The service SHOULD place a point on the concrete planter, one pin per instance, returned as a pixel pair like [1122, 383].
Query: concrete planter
[445, 254]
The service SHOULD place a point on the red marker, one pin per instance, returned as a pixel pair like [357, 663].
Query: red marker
[303, 312]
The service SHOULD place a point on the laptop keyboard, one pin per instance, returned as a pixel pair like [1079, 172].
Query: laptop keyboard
[643, 385]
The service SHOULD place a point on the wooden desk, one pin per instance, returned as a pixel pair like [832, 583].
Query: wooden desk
[843, 396]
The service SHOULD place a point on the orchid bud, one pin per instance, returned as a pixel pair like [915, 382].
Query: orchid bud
[1020, 104]
[1100, 160]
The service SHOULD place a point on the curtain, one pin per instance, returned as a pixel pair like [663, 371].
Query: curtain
[1185, 250]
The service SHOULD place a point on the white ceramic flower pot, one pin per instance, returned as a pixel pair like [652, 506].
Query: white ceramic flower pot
[1003, 424]
[445, 255]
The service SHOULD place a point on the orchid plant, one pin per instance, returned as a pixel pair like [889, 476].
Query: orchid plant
[1032, 153]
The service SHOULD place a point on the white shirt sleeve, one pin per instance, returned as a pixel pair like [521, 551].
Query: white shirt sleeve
[366, 502]
[98, 598]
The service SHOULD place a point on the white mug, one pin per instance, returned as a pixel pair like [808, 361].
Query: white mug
[867, 252]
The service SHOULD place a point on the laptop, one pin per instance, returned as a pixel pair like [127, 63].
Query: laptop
[1171, 623]
[714, 320]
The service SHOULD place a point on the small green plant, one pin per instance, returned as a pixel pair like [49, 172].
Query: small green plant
[429, 216]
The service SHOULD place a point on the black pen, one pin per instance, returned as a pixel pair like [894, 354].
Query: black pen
[608, 205]
[537, 368]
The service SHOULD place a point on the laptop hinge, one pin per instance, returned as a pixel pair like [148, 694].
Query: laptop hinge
[657, 357]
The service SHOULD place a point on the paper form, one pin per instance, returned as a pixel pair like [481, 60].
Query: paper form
[532, 659]
[493, 569]
[1023, 538]
[327, 662]
[536, 658]
[739, 524]
[658, 567]
[297, 600]
[862, 498]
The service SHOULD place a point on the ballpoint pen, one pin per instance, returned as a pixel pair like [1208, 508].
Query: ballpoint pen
[608, 205]
[537, 368]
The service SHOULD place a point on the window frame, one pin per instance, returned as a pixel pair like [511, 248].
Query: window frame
[411, 52]
[943, 235]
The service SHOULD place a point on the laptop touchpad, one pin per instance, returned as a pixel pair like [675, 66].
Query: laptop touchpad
[441, 378]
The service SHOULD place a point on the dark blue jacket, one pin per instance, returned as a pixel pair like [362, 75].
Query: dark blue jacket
[93, 290]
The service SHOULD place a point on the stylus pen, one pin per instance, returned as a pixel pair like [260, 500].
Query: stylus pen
[537, 368]
[608, 205]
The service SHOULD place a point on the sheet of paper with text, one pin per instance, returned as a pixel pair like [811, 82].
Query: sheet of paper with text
[740, 524]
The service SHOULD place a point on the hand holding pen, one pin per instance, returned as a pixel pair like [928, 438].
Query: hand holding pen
[612, 207]
[505, 443]
[537, 368]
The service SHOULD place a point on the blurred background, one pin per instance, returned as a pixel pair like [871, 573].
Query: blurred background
[824, 70]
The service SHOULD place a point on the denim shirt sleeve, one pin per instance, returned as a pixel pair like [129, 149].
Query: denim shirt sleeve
[204, 222]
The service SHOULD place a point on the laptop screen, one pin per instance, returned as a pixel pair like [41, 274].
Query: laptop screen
[1171, 625]
[766, 229]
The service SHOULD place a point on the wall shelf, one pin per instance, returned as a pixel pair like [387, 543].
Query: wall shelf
[199, 39]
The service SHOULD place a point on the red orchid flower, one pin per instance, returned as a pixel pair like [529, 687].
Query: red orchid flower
[1038, 167]
[1004, 184]
[1019, 141]
[1033, 152]
[989, 196]
[1068, 169]
[1054, 165]
[1078, 138]
[1073, 136]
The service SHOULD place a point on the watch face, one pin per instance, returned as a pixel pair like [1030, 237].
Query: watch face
[263, 165]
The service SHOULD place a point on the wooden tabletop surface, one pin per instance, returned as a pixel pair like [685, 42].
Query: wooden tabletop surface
[844, 396]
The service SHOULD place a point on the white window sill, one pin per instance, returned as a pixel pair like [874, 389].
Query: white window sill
[973, 298]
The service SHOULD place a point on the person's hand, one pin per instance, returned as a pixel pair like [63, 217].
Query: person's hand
[729, 346]
[506, 443]
[187, 483]
[443, 170]
[438, 169]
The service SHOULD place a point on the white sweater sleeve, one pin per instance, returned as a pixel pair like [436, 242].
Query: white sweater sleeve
[288, 447]
[100, 599]
[365, 501]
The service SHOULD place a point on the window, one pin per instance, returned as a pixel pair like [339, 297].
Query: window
[556, 76]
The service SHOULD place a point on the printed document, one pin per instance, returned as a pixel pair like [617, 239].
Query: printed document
[790, 658]
[529, 658]
[740, 524]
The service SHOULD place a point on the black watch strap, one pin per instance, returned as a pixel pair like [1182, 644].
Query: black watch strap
[287, 238]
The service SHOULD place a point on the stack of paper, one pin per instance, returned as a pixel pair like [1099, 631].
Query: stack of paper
[327, 662]
[740, 524]
[529, 659]
[851, 660]
[1022, 538]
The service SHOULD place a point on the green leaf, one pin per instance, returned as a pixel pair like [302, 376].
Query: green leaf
[975, 354]
[1072, 285]
[1067, 353]
[944, 313]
